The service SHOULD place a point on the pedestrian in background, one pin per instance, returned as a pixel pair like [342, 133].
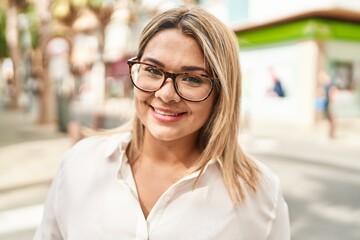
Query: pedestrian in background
[329, 90]
[179, 172]
[277, 89]
[9, 96]
[34, 89]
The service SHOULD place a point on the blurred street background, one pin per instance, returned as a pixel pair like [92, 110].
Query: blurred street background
[63, 72]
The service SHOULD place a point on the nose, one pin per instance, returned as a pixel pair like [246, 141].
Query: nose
[167, 92]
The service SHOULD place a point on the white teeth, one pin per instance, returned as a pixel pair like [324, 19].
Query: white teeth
[166, 113]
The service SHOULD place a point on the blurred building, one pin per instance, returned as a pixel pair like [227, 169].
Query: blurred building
[283, 46]
[297, 49]
[289, 43]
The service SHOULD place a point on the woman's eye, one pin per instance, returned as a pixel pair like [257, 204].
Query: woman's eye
[192, 80]
[153, 70]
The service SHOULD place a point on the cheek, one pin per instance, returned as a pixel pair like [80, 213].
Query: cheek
[207, 113]
[140, 99]
[208, 108]
[141, 96]
[203, 111]
[209, 103]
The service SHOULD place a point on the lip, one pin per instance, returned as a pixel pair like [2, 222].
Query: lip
[167, 115]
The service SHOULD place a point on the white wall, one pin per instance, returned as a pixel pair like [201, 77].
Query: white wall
[295, 64]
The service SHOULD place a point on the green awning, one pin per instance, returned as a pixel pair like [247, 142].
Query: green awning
[311, 28]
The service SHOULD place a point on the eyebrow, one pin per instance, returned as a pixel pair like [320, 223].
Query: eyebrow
[183, 68]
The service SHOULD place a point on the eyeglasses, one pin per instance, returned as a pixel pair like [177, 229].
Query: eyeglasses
[149, 78]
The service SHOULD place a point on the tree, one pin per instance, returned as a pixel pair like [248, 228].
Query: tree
[13, 46]
[3, 43]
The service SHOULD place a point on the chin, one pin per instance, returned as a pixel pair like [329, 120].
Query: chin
[165, 136]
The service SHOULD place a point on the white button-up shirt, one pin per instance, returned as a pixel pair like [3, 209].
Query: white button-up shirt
[94, 197]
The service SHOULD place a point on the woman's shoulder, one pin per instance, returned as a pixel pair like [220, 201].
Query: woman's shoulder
[266, 208]
[96, 146]
[103, 140]
[267, 173]
[269, 188]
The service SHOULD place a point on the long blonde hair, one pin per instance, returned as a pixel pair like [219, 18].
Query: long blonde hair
[219, 136]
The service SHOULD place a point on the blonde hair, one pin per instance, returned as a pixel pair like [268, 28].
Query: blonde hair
[219, 136]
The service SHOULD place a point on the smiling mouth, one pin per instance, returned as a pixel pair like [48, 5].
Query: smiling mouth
[170, 114]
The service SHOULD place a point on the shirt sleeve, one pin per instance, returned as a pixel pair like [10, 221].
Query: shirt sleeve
[280, 227]
[49, 229]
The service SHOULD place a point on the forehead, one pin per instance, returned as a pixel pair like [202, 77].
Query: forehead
[172, 47]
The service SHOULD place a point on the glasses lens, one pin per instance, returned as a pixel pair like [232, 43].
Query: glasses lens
[190, 87]
[194, 88]
[146, 77]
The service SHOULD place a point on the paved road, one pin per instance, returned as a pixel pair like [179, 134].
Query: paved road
[17, 127]
[324, 200]
[320, 179]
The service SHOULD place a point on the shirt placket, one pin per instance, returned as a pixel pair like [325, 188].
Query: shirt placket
[165, 199]
[144, 226]
[127, 180]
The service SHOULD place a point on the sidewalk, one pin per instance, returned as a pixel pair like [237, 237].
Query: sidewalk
[29, 152]
[29, 156]
[308, 146]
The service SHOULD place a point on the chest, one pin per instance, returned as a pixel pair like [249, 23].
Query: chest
[150, 186]
[181, 212]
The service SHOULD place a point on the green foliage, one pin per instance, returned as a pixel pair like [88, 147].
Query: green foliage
[95, 3]
[3, 44]
[34, 21]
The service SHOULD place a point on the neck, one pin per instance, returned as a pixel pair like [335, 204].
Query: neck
[184, 152]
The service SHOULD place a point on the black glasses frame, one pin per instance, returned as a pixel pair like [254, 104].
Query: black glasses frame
[167, 75]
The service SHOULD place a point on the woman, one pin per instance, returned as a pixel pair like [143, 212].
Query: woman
[179, 173]
[328, 91]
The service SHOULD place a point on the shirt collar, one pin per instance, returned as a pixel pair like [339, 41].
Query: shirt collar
[115, 142]
[211, 162]
[120, 141]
